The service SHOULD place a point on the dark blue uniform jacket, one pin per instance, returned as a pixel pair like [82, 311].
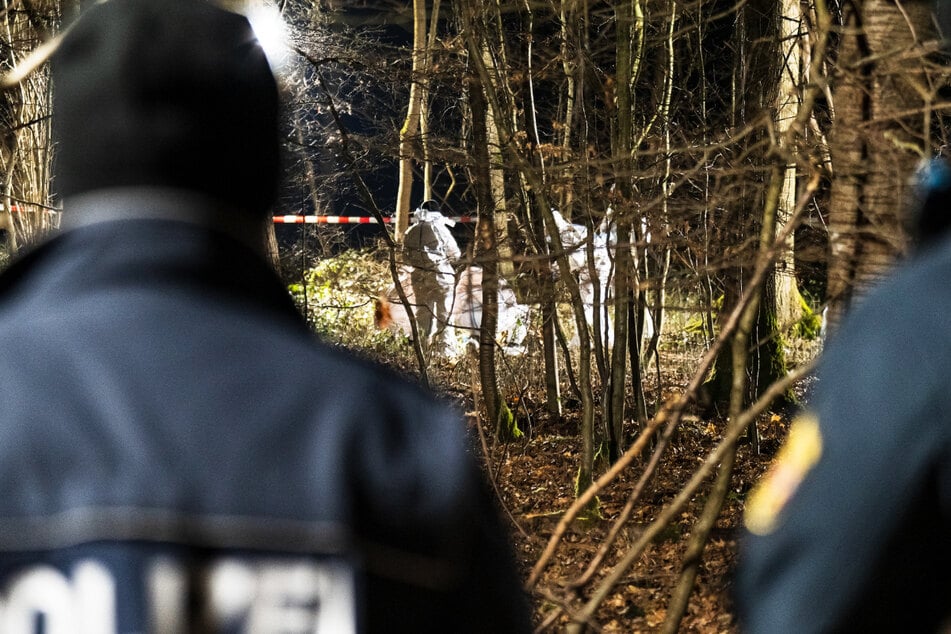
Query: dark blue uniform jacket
[178, 453]
[864, 544]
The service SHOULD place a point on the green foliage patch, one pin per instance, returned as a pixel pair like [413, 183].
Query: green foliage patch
[809, 327]
[337, 297]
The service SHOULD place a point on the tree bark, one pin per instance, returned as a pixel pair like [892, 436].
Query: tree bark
[878, 136]
[788, 300]
[410, 129]
[756, 83]
[536, 185]
[486, 254]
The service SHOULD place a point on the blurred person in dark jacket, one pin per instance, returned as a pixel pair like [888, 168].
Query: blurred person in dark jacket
[163, 467]
[850, 531]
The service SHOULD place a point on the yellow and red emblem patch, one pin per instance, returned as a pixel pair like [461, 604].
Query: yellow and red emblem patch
[798, 456]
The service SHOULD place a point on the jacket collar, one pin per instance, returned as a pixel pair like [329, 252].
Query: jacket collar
[162, 203]
[148, 253]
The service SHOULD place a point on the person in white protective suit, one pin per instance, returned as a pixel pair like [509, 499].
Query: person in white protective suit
[573, 237]
[431, 250]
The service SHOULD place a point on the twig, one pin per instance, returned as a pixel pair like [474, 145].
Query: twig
[368, 199]
[673, 409]
[734, 431]
[562, 607]
[625, 514]
[493, 476]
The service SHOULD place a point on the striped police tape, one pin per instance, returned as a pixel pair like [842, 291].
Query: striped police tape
[347, 220]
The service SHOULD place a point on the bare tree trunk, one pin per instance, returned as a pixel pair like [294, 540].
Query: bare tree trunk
[497, 183]
[424, 104]
[788, 300]
[877, 138]
[547, 306]
[270, 245]
[574, 18]
[739, 351]
[486, 255]
[6, 213]
[757, 78]
[623, 168]
[569, 60]
[537, 187]
[663, 259]
[410, 129]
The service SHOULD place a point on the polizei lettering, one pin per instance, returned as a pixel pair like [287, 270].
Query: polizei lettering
[226, 595]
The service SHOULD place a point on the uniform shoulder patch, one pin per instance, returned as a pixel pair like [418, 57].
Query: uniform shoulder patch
[797, 457]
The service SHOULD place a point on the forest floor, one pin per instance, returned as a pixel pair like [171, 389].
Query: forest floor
[534, 477]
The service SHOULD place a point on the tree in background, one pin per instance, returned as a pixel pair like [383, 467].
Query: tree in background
[759, 63]
[25, 143]
[410, 132]
[885, 90]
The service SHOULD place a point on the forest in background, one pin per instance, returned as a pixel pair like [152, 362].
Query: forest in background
[755, 160]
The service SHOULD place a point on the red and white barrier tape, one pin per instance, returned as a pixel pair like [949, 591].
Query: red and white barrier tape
[294, 219]
[17, 209]
[346, 220]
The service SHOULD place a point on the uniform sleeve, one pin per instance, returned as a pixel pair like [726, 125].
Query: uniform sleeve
[846, 545]
[438, 555]
[491, 599]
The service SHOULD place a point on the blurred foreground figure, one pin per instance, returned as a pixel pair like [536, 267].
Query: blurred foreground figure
[431, 250]
[177, 453]
[850, 531]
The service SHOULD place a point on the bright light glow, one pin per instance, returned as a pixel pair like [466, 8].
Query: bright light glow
[272, 33]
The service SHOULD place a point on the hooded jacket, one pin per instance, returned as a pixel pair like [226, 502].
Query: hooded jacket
[857, 510]
[179, 453]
